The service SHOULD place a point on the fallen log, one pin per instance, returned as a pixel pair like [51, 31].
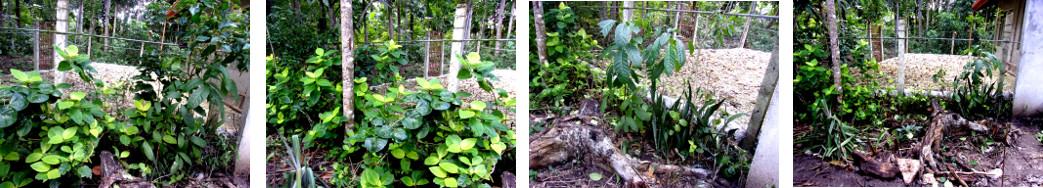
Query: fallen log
[113, 174]
[578, 137]
[943, 122]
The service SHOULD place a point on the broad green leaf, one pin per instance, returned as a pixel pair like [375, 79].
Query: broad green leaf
[53, 174]
[398, 153]
[145, 147]
[169, 139]
[76, 95]
[51, 159]
[18, 74]
[606, 26]
[449, 167]
[40, 167]
[124, 154]
[411, 121]
[12, 156]
[450, 182]
[33, 157]
[142, 105]
[197, 97]
[499, 147]
[437, 171]
[84, 171]
[63, 104]
[319, 51]
[465, 113]
[7, 117]
[68, 133]
[55, 135]
[431, 160]
[439, 105]
[467, 144]
[478, 105]
[38, 97]
[473, 58]
[17, 102]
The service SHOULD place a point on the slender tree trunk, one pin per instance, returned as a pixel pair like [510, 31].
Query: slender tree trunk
[499, 26]
[347, 47]
[79, 19]
[541, 32]
[834, 48]
[470, 16]
[746, 26]
[18, 13]
[105, 20]
[510, 24]
[614, 12]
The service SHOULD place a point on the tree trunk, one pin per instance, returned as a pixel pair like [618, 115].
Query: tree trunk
[105, 21]
[499, 27]
[746, 27]
[79, 19]
[834, 48]
[541, 32]
[347, 66]
[470, 16]
[510, 25]
[574, 137]
[18, 13]
[390, 28]
[614, 12]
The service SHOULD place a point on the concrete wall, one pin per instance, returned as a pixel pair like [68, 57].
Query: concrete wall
[1028, 90]
[764, 171]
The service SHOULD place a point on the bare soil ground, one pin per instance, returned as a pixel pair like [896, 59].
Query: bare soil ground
[919, 69]
[1020, 161]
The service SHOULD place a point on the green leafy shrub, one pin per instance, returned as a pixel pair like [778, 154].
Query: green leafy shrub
[453, 143]
[977, 92]
[383, 61]
[295, 95]
[566, 77]
[459, 143]
[680, 126]
[45, 137]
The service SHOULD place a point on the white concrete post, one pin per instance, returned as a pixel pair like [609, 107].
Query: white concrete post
[427, 56]
[900, 30]
[61, 25]
[458, 46]
[36, 45]
[766, 157]
[628, 11]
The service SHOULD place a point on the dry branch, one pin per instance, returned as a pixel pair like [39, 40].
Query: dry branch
[579, 137]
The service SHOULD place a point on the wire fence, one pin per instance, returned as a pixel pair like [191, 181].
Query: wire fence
[884, 47]
[32, 48]
[705, 29]
[436, 60]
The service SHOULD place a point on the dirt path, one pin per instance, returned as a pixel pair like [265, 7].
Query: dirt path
[1020, 163]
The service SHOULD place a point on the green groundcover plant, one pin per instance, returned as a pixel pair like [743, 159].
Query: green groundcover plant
[422, 136]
